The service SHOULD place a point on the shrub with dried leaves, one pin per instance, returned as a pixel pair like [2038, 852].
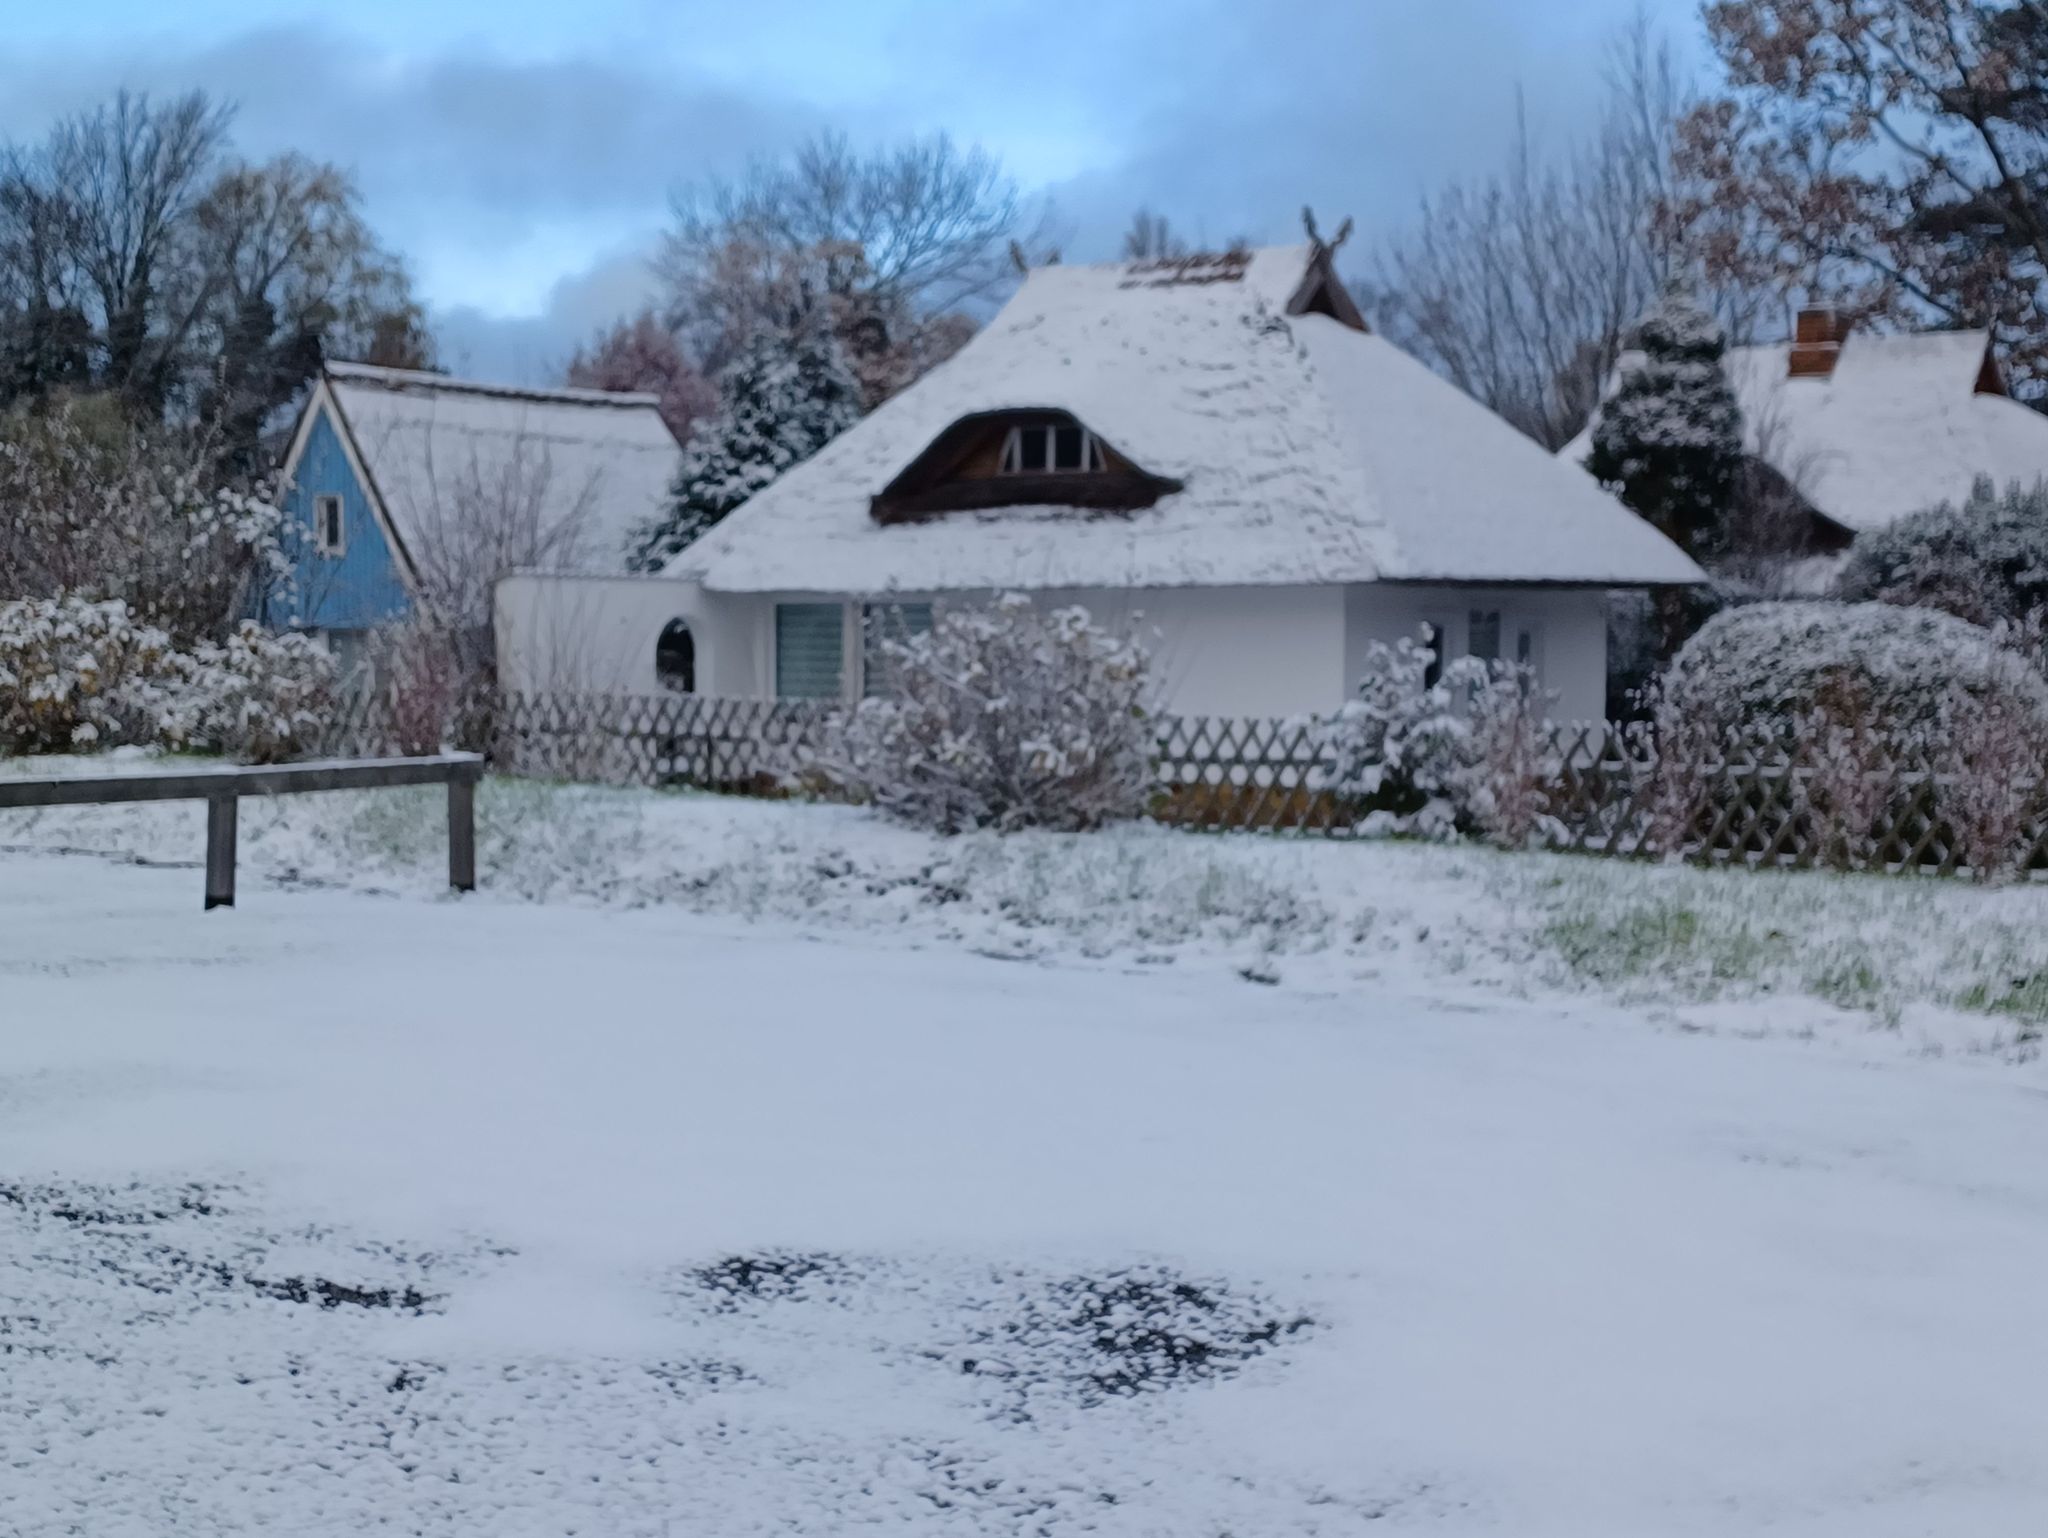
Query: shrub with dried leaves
[1001, 717]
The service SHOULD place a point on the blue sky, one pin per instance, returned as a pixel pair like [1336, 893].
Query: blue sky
[520, 154]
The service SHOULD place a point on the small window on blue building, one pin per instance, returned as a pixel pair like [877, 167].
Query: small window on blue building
[330, 535]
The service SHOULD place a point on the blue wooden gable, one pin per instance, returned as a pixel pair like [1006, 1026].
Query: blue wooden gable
[359, 588]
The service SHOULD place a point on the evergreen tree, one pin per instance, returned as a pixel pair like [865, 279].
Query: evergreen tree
[1670, 440]
[785, 396]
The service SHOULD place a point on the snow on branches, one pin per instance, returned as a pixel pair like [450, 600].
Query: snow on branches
[1466, 750]
[1002, 717]
[1986, 561]
[1670, 438]
[75, 674]
[781, 400]
[1771, 666]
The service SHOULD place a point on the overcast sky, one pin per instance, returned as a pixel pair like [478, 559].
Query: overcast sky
[520, 153]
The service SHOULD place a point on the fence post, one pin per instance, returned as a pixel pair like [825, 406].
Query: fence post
[462, 833]
[220, 852]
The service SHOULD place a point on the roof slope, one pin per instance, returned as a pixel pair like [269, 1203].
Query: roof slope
[1897, 428]
[589, 465]
[1308, 452]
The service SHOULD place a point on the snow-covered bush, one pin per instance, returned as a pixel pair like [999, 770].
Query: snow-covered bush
[77, 674]
[1769, 667]
[1986, 561]
[258, 698]
[1001, 717]
[1470, 751]
[94, 504]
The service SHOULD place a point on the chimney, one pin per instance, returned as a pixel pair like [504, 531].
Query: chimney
[1817, 342]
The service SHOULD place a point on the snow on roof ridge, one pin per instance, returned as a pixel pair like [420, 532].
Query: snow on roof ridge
[406, 379]
[1308, 452]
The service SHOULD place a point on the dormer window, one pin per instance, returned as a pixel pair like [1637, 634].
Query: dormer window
[1042, 448]
[1032, 456]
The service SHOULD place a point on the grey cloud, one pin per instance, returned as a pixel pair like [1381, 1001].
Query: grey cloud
[532, 349]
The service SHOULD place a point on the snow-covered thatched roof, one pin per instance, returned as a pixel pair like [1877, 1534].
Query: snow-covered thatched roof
[1306, 451]
[591, 463]
[1900, 425]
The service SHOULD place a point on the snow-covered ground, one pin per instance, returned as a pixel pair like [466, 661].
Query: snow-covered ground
[786, 1173]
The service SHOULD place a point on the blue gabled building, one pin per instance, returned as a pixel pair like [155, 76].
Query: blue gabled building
[399, 484]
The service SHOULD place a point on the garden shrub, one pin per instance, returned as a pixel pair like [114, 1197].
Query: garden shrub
[1001, 716]
[1985, 561]
[1470, 752]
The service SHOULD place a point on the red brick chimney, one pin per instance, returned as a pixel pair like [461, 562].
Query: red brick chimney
[1817, 342]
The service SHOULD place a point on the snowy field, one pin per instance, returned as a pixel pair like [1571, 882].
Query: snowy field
[731, 1169]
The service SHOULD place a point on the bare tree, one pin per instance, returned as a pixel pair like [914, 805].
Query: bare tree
[1886, 155]
[139, 258]
[1150, 238]
[895, 241]
[1521, 287]
[481, 509]
[132, 173]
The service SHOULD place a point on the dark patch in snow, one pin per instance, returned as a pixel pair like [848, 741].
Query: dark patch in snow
[688, 1379]
[1127, 1332]
[771, 1275]
[133, 1206]
[330, 1295]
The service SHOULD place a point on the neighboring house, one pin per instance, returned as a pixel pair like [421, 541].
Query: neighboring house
[1864, 429]
[1217, 448]
[399, 482]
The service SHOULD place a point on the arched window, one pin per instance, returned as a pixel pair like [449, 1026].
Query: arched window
[675, 657]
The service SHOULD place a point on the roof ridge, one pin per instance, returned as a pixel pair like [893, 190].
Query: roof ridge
[410, 379]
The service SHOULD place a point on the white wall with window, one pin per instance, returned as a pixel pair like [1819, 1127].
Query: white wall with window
[1560, 632]
[1242, 651]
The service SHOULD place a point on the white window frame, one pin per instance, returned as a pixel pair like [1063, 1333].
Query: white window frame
[323, 501]
[1012, 462]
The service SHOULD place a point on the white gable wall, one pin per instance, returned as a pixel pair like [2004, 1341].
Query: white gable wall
[596, 635]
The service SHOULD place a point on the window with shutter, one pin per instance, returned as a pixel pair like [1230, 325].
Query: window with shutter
[810, 651]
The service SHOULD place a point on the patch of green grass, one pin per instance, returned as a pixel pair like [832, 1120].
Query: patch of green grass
[1658, 937]
[2024, 999]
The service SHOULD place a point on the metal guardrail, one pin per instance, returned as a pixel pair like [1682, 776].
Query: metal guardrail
[222, 786]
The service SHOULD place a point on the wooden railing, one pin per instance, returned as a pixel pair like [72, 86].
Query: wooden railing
[222, 786]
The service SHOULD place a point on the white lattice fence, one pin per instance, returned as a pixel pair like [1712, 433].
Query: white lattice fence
[1761, 800]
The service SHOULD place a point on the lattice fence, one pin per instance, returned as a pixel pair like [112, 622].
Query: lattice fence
[1607, 789]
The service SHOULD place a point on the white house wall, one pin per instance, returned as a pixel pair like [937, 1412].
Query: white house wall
[597, 635]
[1247, 651]
[1567, 625]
